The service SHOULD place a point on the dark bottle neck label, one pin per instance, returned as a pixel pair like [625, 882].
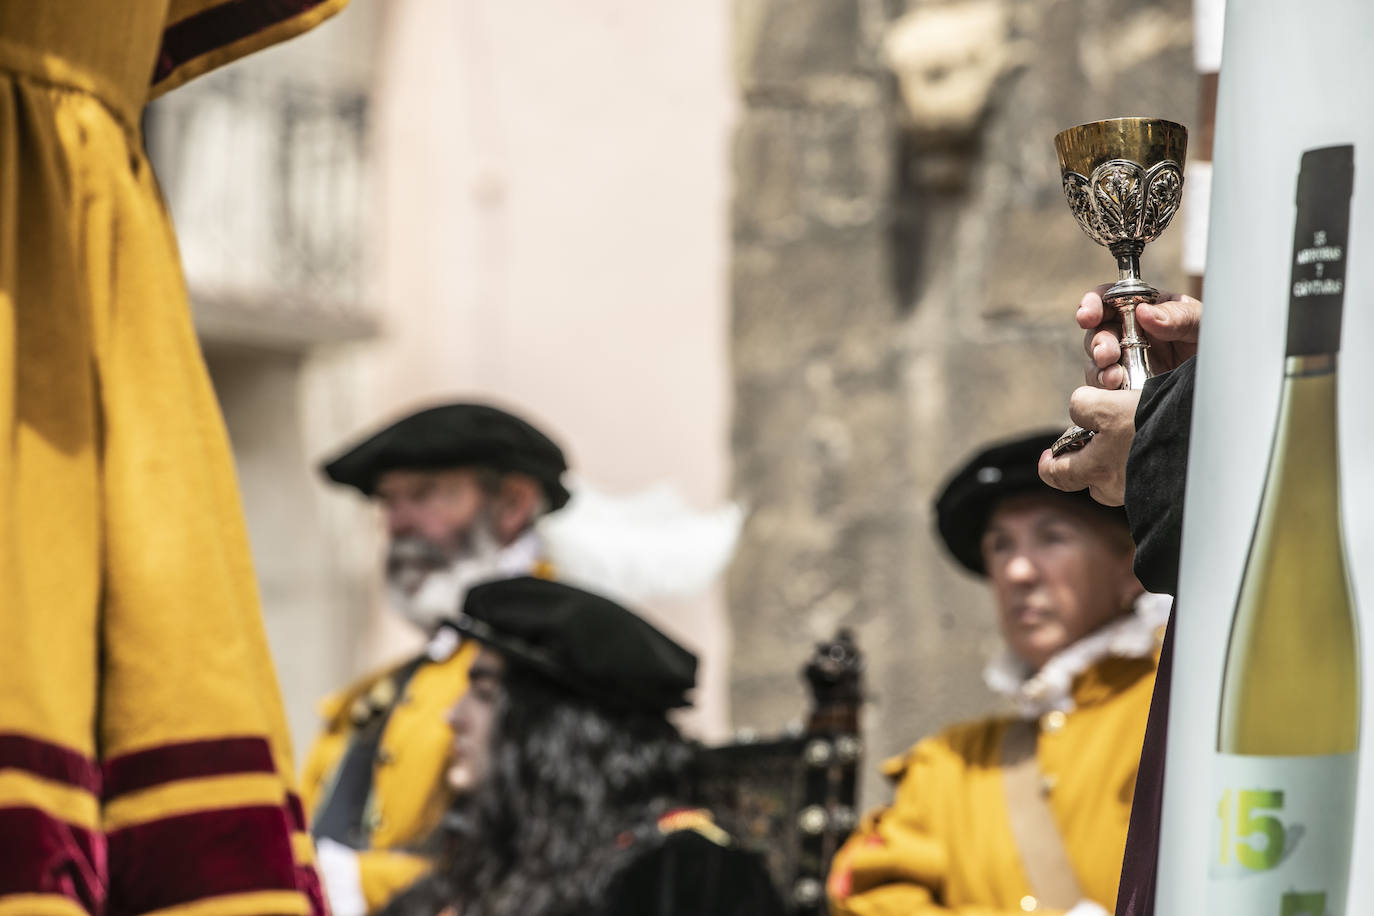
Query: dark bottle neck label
[1316, 294]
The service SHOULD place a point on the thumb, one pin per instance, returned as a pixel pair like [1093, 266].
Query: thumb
[1175, 319]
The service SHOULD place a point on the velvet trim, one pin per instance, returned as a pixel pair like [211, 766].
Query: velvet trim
[295, 810]
[187, 760]
[48, 760]
[221, 25]
[40, 854]
[190, 857]
[308, 883]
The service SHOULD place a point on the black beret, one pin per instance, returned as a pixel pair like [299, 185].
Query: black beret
[1003, 469]
[454, 436]
[581, 640]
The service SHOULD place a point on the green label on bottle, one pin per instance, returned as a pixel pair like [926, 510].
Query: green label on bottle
[1281, 834]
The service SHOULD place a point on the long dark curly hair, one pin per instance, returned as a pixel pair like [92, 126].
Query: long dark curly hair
[571, 782]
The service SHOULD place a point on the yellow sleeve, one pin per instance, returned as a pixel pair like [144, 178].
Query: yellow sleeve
[895, 864]
[384, 874]
[200, 35]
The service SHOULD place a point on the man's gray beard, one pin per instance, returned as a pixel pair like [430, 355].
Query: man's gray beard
[440, 594]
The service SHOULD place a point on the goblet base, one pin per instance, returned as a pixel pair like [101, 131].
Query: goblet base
[1074, 438]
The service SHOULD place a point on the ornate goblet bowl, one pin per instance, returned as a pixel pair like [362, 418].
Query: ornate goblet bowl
[1123, 179]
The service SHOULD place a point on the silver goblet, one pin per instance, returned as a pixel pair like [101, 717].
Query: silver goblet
[1124, 180]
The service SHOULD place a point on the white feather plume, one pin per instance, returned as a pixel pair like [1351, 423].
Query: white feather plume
[639, 546]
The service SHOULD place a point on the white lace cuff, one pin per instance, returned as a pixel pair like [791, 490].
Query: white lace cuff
[343, 879]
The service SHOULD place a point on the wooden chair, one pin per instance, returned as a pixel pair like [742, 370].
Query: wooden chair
[794, 797]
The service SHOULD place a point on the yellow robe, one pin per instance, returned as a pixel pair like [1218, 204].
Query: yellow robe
[946, 846]
[408, 790]
[144, 764]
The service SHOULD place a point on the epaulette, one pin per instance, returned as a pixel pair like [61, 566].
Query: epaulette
[698, 820]
[369, 690]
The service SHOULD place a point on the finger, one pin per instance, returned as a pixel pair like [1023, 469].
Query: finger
[1176, 319]
[1059, 472]
[1089, 314]
[1099, 409]
[1105, 348]
[1111, 325]
[1111, 378]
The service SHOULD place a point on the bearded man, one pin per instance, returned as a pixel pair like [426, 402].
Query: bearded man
[460, 487]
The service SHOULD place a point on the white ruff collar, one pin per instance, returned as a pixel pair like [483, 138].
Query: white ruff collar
[520, 556]
[1132, 636]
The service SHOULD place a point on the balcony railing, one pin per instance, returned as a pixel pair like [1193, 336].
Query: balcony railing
[267, 185]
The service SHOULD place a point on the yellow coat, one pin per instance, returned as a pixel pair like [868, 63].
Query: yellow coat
[408, 790]
[144, 761]
[946, 846]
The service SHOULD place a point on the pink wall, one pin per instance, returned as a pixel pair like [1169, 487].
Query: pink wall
[553, 234]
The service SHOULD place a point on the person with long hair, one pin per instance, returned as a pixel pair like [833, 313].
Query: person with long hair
[569, 779]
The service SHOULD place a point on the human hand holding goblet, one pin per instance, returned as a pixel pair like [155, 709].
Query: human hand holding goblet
[1123, 179]
[1171, 325]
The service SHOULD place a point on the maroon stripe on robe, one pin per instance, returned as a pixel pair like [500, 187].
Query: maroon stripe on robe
[1140, 865]
[41, 854]
[186, 760]
[48, 760]
[190, 857]
[295, 810]
[308, 883]
[307, 879]
[221, 25]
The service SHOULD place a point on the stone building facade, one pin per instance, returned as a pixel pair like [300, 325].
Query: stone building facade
[904, 280]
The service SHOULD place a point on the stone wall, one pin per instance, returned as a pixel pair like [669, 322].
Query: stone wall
[905, 274]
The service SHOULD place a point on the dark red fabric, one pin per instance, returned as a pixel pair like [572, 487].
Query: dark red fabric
[221, 25]
[308, 883]
[307, 879]
[187, 760]
[193, 856]
[295, 810]
[40, 854]
[51, 761]
[1140, 866]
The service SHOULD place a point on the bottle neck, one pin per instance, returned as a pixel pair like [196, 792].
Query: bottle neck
[1305, 452]
[1312, 364]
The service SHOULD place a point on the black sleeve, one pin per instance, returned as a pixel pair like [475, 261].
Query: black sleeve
[688, 875]
[1155, 473]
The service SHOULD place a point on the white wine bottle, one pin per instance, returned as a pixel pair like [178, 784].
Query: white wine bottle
[1289, 732]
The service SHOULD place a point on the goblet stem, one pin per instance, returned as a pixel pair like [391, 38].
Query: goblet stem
[1135, 351]
[1128, 292]
[1127, 260]
[1124, 295]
